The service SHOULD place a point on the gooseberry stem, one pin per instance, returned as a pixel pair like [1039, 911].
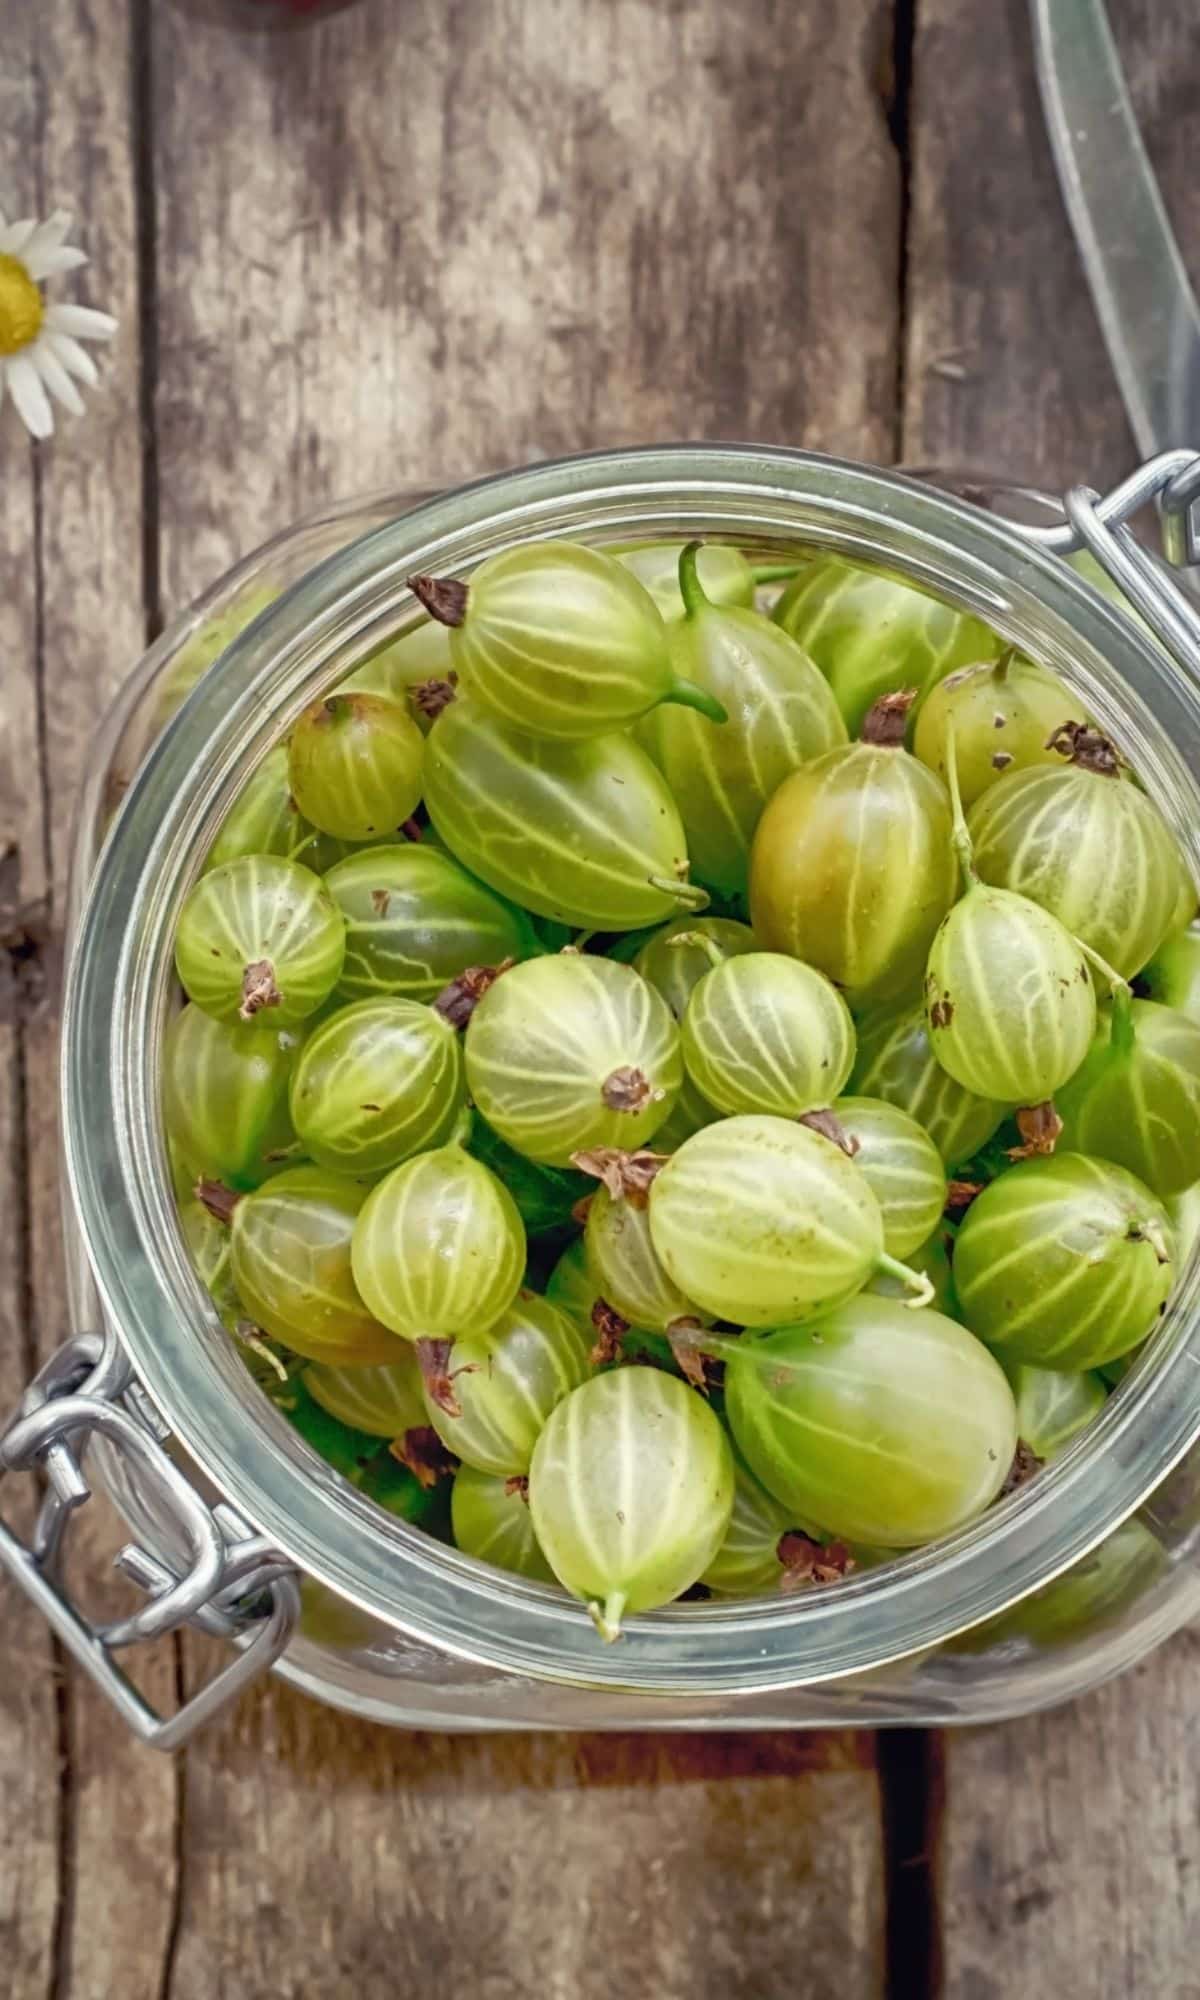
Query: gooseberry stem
[919, 1284]
[775, 572]
[607, 1617]
[690, 587]
[963, 846]
[685, 694]
[689, 894]
[1000, 670]
[708, 945]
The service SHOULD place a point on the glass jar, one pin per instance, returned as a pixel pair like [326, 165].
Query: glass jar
[394, 1625]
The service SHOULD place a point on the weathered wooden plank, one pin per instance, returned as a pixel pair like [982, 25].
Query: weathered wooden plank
[1069, 1842]
[417, 244]
[574, 1867]
[72, 630]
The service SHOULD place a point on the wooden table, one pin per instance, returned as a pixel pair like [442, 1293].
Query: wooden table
[433, 237]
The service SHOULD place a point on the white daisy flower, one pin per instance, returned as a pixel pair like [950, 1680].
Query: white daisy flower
[39, 343]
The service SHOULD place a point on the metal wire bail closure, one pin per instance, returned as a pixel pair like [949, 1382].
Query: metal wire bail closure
[233, 1584]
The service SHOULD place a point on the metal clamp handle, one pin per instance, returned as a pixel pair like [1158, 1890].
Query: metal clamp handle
[1100, 524]
[234, 1583]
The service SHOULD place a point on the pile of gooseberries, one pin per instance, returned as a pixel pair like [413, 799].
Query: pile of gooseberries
[683, 1095]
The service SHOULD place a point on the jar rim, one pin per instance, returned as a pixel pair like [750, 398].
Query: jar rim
[116, 1006]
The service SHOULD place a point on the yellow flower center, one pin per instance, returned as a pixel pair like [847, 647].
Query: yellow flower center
[21, 308]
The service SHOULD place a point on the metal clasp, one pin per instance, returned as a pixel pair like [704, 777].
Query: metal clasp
[232, 1583]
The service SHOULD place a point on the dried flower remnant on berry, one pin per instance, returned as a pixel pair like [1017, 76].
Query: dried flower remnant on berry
[1086, 747]
[830, 1127]
[700, 1369]
[628, 1089]
[959, 1196]
[517, 1488]
[1025, 1463]
[443, 597]
[421, 1451]
[433, 696]
[259, 989]
[433, 1357]
[610, 1327]
[457, 1002]
[806, 1562]
[1040, 1127]
[886, 720]
[627, 1176]
[218, 1199]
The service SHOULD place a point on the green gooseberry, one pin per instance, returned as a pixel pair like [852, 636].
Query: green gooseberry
[853, 866]
[1172, 976]
[415, 671]
[765, 1033]
[624, 1267]
[1064, 1262]
[1053, 1405]
[210, 1250]
[560, 640]
[415, 920]
[292, 1267]
[888, 1426]
[631, 1489]
[1136, 1099]
[759, 1220]
[584, 833]
[780, 713]
[259, 933]
[492, 1521]
[354, 764]
[570, 1285]
[570, 1052]
[384, 1401]
[895, 1061]
[225, 1097]
[725, 575]
[1006, 715]
[902, 1168]
[691, 1113]
[675, 958]
[264, 818]
[377, 1082]
[748, 1562]
[506, 1383]
[872, 635]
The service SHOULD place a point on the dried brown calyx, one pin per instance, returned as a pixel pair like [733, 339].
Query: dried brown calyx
[517, 1487]
[443, 597]
[959, 1196]
[806, 1562]
[457, 1002]
[218, 1199]
[702, 1370]
[422, 1452]
[381, 901]
[831, 1128]
[411, 829]
[886, 720]
[1085, 746]
[1040, 1127]
[610, 1327]
[1025, 1463]
[432, 696]
[627, 1176]
[629, 1089]
[433, 1359]
[258, 989]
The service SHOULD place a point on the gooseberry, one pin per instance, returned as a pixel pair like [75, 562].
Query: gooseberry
[491, 1520]
[765, 1033]
[225, 1096]
[624, 1267]
[384, 1401]
[1006, 715]
[377, 1082]
[895, 1061]
[259, 933]
[902, 1168]
[725, 575]
[415, 920]
[354, 764]
[1136, 1100]
[1053, 1405]
[675, 958]
[506, 1383]
[748, 1562]
[292, 1267]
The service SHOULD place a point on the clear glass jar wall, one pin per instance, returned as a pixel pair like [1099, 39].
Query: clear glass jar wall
[397, 1626]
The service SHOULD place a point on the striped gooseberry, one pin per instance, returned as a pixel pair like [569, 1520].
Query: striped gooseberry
[259, 933]
[766, 1033]
[1136, 1100]
[569, 1052]
[748, 1562]
[853, 865]
[1007, 715]
[631, 1489]
[560, 640]
[623, 1265]
[584, 833]
[1172, 976]
[264, 818]
[377, 1082]
[225, 1096]
[691, 1113]
[1064, 1262]
[292, 1267]
[491, 1521]
[760, 1220]
[1053, 1405]
[887, 1426]
[1088, 846]
[415, 671]
[676, 957]
[902, 1168]
[780, 713]
[570, 1285]
[506, 1383]
[415, 920]
[895, 1061]
[354, 764]
[725, 575]
[1008, 992]
[871, 635]
[384, 1401]
[210, 1250]
[438, 1253]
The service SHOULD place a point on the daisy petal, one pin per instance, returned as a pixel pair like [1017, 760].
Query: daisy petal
[48, 262]
[55, 377]
[17, 235]
[82, 321]
[75, 359]
[49, 234]
[31, 399]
